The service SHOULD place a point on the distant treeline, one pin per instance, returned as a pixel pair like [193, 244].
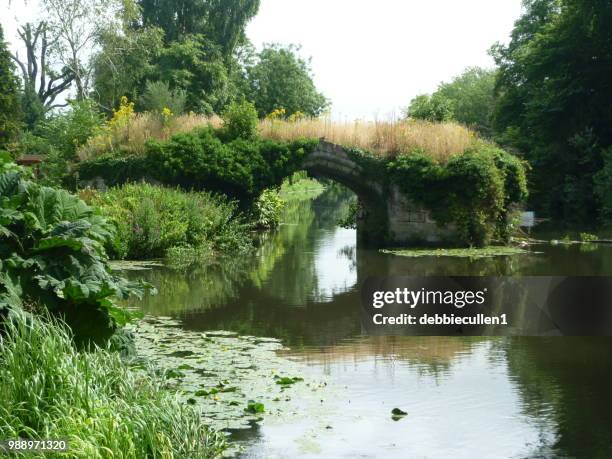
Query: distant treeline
[550, 101]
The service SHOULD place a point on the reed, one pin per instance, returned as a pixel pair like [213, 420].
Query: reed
[130, 137]
[102, 406]
[387, 138]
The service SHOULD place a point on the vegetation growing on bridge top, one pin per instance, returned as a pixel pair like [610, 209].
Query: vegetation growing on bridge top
[384, 138]
[474, 191]
[444, 167]
[128, 134]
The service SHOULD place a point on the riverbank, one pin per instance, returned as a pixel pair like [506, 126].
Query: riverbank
[94, 400]
[55, 382]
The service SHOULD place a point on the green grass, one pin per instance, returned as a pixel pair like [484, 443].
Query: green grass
[473, 253]
[154, 221]
[300, 186]
[102, 406]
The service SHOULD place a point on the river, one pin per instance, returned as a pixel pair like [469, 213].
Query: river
[464, 396]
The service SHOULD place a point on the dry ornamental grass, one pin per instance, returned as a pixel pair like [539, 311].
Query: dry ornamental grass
[388, 138]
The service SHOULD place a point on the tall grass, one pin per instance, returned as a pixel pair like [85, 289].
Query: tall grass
[94, 400]
[154, 221]
[129, 137]
[440, 140]
[388, 138]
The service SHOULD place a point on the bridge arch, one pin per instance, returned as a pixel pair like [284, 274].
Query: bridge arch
[332, 161]
[387, 217]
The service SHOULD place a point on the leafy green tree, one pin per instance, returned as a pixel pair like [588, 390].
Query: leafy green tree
[431, 108]
[472, 96]
[226, 21]
[223, 21]
[126, 60]
[9, 95]
[196, 65]
[281, 79]
[554, 101]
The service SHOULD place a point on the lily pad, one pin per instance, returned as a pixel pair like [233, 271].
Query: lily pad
[254, 407]
[218, 372]
[286, 380]
[473, 253]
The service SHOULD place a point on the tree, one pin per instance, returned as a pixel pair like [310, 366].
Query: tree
[195, 65]
[554, 101]
[223, 21]
[9, 95]
[472, 96]
[126, 60]
[42, 84]
[431, 108]
[226, 21]
[75, 26]
[281, 79]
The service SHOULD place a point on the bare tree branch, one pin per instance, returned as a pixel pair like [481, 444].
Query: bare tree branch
[35, 70]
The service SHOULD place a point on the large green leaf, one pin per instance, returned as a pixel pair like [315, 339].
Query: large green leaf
[49, 207]
[9, 183]
[52, 250]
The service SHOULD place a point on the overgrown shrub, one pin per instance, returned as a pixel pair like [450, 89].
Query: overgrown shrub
[240, 121]
[474, 190]
[97, 402]
[52, 253]
[153, 220]
[158, 96]
[69, 130]
[267, 209]
[201, 160]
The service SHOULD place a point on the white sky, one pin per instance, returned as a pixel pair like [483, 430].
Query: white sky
[370, 57]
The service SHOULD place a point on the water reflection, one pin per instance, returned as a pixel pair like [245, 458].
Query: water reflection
[466, 397]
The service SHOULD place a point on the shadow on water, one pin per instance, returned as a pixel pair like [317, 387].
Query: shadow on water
[466, 397]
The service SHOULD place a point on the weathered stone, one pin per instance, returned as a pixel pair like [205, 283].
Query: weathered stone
[388, 218]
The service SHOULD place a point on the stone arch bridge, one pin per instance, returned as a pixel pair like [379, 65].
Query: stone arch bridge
[386, 216]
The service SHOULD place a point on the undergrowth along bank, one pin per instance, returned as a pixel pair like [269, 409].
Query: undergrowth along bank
[102, 406]
[155, 222]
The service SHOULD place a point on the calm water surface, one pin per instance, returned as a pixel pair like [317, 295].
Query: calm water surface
[465, 397]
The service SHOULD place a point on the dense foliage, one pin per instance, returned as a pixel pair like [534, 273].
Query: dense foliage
[554, 104]
[474, 191]
[267, 209]
[52, 253]
[468, 99]
[154, 221]
[94, 400]
[223, 21]
[202, 160]
[9, 96]
[199, 48]
[472, 98]
[280, 79]
[430, 108]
